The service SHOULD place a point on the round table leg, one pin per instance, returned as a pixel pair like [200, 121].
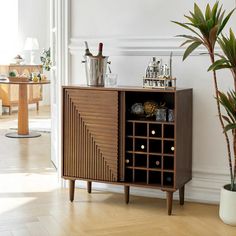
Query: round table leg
[23, 119]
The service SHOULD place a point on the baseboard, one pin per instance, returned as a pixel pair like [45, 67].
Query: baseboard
[203, 188]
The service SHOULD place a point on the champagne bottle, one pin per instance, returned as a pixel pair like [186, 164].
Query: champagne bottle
[100, 48]
[87, 52]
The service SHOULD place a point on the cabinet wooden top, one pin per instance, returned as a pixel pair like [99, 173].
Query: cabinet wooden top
[125, 88]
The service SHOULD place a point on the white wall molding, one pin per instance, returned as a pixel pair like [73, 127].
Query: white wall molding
[134, 46]
[204, 187]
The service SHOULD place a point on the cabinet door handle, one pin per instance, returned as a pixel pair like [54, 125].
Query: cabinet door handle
[127, 161]
[142, 146]
[172, 148]
[153, 132]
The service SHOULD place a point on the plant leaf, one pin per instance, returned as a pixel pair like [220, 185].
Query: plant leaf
[225, 21]
[190, 49]
[216, 64]
[226, 119]
[230, 127]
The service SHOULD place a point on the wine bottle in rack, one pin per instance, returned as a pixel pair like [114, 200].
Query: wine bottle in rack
[168, 179]
[87, 51]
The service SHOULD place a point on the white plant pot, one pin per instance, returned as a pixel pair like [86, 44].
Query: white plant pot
[228, 206]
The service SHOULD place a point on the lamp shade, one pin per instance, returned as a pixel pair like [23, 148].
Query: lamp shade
[31, 44]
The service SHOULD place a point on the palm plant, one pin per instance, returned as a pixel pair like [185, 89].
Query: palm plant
[206, 28]
[228, 101]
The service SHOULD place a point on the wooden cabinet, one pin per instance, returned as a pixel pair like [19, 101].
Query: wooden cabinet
[104, 141]
[9, 93]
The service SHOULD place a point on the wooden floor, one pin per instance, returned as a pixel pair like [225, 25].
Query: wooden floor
[31, 203]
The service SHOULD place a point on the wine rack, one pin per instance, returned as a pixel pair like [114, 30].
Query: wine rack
[150, 152]
[103, 141]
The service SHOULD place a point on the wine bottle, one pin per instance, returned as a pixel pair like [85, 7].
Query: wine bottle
[87, 52]
[100, 48]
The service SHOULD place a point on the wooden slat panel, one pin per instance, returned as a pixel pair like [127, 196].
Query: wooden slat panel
[91, 138]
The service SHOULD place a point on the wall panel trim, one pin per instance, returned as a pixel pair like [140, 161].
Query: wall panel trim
[134, 46]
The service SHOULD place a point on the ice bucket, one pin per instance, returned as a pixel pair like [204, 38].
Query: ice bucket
[95, 68]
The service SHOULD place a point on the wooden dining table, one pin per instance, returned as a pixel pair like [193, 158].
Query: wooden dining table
[23, 116]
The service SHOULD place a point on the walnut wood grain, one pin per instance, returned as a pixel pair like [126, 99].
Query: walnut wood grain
[96, 145]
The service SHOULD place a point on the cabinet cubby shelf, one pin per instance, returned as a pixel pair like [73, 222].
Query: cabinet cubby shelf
[150, 169]
[151, 122]
[151, 153]
[151, 138]
[103, 142]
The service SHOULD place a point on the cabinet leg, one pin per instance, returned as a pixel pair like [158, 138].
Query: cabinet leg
[37, 106]
[72, 189]
[10, 111]
[126, 188]
[181, 195]
[89, 186]
[169, 198]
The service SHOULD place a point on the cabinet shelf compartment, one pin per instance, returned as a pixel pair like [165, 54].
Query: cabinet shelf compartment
[140, 129]
[140, 160]
[168, 179]
[133, 97]
[140, 176]
[168, 163]
[155, 161]
[129, 144]
[129, 128]
[140, 145]
[129, 174]
[154, 177]
[155, 130]
[129, 159]
[169, 131]
[169, 147]
[155, 146]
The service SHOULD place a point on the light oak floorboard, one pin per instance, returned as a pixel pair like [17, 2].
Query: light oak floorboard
[33, 204]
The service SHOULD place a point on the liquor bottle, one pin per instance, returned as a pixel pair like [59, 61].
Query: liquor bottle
[100, 48]
[87, 52]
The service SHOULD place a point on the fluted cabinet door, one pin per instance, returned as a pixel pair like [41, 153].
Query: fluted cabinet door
[90, 130]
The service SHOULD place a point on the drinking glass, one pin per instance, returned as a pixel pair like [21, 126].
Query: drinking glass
[111, 80]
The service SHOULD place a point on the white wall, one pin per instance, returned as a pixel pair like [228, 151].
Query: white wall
[34, 21]
[134, 30]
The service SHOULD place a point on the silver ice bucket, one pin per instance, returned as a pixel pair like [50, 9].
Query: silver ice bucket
[95, 68]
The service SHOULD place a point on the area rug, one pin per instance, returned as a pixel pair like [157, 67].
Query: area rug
[38, 125]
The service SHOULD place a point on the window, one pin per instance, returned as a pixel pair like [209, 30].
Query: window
[9, 30]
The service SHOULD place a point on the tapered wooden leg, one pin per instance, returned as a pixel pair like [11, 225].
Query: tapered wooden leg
[37, 106]
[181, 195]
[10, 111]
[169, 198]
[126, 188]
[72, 189]
[89, 186]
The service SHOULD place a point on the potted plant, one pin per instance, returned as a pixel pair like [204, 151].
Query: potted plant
[46, 59]
[206, 29]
